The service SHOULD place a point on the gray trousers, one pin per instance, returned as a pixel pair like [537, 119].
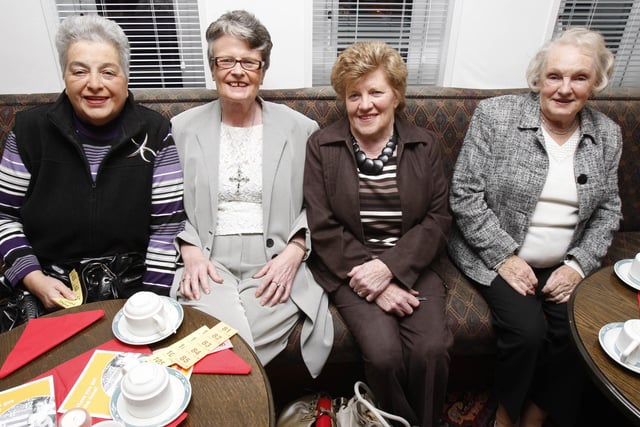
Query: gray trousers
[236, 258]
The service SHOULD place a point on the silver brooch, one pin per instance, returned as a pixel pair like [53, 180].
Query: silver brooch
[142, 149]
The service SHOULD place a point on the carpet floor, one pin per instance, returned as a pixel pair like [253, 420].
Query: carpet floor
[477, 409]
[469, 409]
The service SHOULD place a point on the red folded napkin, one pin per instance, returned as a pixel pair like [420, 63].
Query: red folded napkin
[178, 420]
[222, 362]
[42, 334]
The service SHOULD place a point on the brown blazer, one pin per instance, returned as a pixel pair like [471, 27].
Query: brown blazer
[333, 207]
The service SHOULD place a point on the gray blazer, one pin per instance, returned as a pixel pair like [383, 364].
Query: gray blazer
[499, 175]
[285, 134]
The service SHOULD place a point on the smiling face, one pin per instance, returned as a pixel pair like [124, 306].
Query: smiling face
[95, 81]
[568, 79]
[371, 104]
[236, 84]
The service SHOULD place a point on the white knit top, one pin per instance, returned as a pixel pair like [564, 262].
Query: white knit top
[240, 181]
[556, 214]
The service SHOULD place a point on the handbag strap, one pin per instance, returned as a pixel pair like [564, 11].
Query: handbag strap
[381, 415]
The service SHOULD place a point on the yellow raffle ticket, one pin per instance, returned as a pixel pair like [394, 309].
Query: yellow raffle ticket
[194, 346]
[76, 288]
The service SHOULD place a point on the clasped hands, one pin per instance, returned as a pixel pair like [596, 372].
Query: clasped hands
[373, 282]
[277, 275]
[519, 275]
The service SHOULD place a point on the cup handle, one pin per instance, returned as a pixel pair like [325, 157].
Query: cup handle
[627, 351]
[161, 321]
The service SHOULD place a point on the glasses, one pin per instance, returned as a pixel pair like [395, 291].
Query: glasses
[228, 62]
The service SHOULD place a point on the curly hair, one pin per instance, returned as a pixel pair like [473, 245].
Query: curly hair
[92, 28]
[364, 57]
[244, 26]
[589, 42]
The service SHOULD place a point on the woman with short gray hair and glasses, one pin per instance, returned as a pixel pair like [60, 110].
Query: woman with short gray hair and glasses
[246, 240]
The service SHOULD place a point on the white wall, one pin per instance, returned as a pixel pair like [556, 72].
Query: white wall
[29, 59]
[491, 41]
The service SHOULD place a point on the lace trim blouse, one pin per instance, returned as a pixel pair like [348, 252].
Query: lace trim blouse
[240, 180]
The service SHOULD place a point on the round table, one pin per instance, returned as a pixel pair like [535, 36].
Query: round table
[217, 400]
[599, 299]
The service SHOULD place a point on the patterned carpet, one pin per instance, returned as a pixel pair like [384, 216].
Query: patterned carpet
[477, 409]
[469, 409]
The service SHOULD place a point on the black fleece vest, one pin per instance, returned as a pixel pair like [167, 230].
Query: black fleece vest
[68, 216]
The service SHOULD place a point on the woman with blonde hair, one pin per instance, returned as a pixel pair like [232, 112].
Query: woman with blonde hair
[376, 198]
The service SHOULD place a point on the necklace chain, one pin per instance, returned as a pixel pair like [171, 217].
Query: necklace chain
[567, 131]
[373, 166]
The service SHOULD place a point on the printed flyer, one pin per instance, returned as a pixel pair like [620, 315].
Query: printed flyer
[30, 404]
[99, 379]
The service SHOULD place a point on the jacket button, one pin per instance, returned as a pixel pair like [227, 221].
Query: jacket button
[269, 243]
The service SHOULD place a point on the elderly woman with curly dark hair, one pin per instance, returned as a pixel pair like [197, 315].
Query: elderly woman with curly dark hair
[535, 201]
[376, 198]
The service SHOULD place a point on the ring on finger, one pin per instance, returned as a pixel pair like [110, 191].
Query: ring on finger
[277, 284]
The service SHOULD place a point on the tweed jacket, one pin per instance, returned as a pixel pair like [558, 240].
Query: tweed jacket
[499, 176]
[331, 189]
[285, 133]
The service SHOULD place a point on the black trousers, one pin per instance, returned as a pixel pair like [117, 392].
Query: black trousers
[406, 359]
[536, 359]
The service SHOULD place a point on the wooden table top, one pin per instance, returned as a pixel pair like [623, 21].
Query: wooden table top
[217, 400]
[600, 299]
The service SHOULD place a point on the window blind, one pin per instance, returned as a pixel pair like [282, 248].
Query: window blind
[165, 38]
[619, 23]
[416, 28]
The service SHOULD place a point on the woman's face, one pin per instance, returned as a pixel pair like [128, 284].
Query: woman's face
[371, 103]
[567, 82]
[95, 81]
[236, 84]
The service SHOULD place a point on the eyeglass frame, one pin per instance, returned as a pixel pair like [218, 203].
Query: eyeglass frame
[237, 61]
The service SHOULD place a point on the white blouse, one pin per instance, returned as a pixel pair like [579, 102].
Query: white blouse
[240, 181]
[556, 214]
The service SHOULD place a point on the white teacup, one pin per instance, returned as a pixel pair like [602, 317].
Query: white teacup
[145, 389]
[75, 417]
[634, 270]
[628, 342]
[145, 314]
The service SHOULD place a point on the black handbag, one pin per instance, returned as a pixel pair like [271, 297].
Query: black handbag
[103, 278]
[17, 306]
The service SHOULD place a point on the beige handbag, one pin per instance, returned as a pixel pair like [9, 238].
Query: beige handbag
[320, 411]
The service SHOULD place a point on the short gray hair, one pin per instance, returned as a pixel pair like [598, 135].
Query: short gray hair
[92, 28]
[590, 42]
[244, 26]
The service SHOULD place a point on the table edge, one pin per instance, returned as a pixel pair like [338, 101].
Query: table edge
[601, 381]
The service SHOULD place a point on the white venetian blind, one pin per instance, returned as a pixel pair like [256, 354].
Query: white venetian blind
[619, 23]
[416, 28]
[165, 38]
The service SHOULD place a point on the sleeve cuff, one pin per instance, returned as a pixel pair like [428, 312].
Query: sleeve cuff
[571, 262]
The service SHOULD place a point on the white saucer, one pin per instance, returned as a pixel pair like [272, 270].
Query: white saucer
[622, 268]
[121, 331]
[181, 391]
[607, 337]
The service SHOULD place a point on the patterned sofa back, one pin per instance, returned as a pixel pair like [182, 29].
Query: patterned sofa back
[446, 111]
